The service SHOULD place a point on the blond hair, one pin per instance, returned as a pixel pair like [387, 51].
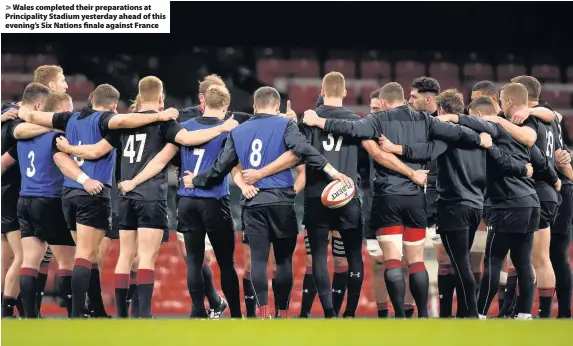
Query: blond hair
[392, 92]
[517, 92]
[150, 89]
[209, 81]
[334, 85]
[47, 73]
[217, 97]
[54, 100]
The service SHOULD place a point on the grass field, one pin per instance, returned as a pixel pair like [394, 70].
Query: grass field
[162, 332]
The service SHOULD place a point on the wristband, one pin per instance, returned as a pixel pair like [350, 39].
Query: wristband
[330, 170]
[83, 178]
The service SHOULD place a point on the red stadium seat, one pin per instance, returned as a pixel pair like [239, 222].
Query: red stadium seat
[444, 71]
[13, 63]
[80, 89]
[365, 94]
[38, 60]
[568, 124]
[506, 72]
[477, 71]
[570, 74]
[346, 67]
[351, 95]
[557, 99]
[407, 71]
[303, 97]
[546, 73]
[304, 68]
[13, 87]
[375, 69]
[270, 68]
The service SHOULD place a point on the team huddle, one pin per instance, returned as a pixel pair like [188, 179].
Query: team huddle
[404, 171]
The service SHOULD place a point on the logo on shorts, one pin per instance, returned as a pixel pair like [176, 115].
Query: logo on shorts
[352, 275]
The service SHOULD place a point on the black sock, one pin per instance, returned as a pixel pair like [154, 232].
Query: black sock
[545, 301]
[477, 278]
[94, 293]
[65, 289]
[28, 277]
[249, 294]
[131, 290]
[409, 310]
[339, 282]
[8, 304]
[134, 303]
[145, 283]
[273, 287]
[396, 286]
[81, 276]
[210, 289]
[446, 287]
[20, 306]
[383, 311]
[419, 285]
[308, 293]
[500, 296]
[41, 286]
[121, 283]
[505, 309]
[355, 280]
[559, 256]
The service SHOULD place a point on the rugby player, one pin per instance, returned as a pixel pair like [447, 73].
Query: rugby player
[398, 206]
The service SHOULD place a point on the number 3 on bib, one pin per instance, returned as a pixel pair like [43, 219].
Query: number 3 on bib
[256, 155]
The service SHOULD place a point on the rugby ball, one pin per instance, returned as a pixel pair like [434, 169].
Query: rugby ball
[337, 194]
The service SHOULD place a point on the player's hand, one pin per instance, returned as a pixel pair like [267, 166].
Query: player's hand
[558, 185]
[249, 191]
[229, 124]
[485, 140]
[529, 168]
[188, 180]
[126, 186]
[520, 116]
[10, 115]
[387, 145]
[251, 176]
[63, 144]
[310, 118]
[445, 118]
[562, 157]
[420, 176]
[343, 178]
[93, 187]
[168, 114]
[289, 112]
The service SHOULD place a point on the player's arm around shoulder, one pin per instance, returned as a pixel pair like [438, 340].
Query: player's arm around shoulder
[133, 120]
[8, 160]
[23, 130]
[525, 134]
[88, 151]
[197, 137]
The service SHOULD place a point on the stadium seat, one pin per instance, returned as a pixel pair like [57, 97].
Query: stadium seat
[406, 71]
[270, 68]
[365, 94]
[306, 68]
[570, 74]
[476, 71]
[352, 93]
[346, 67]
[303, 97]
[34, 61]
[13, 88]
[506, 72]
[13, 63]
[80, 88]
[546, 73]
[557, 99]
[375, 69]
[444, 72]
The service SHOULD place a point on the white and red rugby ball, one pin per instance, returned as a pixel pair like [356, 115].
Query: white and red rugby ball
[337, 194]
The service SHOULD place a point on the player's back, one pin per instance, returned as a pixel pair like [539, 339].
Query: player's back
[41, 176]
[138, 147]
[546, 142]
[340, 151]
[10, 178]
[258, 142]
[199, 158]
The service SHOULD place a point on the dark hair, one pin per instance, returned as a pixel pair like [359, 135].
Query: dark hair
[375, 94]
[426, 85]
[35, 91]
[104, 96]
[483, 103]
[451, 101]
[266, 97]
[487, 87]
[531, 84]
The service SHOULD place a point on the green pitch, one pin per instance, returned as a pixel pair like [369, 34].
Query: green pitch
[163, 332]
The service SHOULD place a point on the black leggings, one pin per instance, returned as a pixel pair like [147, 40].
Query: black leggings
[558, 253]
[497, 246]
[283, 249]
[352, 239]
[224, 247]
[458, 245]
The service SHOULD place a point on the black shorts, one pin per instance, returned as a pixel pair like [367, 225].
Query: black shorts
[165, 238]
[397, 210]
[431, 207]
[88, 211]
[136, 214]
[512, 220]
[278, 221]
[548, 212]
[244, 238]
[366, 207]
[316, 215]
[204, 214]
[10, 210]
[113, 231]
[457, 217]
[564, 220]
[42, 217]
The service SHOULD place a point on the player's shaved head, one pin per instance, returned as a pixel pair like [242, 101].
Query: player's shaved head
[392, 93]
[482, 105]
[217, 97]
[451, 101]
[209, 81]
[35, 93]
[266, 98]
[531, 84]
[58, 102]
[105, 95]
[334, 85]
[516, 92]
[150, 89]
